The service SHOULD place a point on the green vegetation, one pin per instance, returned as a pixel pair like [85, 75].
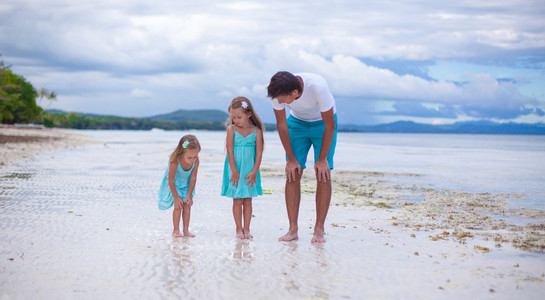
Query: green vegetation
[18, 98]
[80, 121]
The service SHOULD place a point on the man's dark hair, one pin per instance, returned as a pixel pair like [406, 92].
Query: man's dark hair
[283, 83]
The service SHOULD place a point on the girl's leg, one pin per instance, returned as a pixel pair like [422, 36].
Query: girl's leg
[247, 217]
[176, 222]
[237, 214]
[186, 215]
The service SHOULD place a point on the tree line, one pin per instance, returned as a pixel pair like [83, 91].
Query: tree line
[79, 121]
[18, 98]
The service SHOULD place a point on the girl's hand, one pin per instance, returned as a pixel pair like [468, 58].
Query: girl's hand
[189, 200]
[234, 178]
[251, 178]
[178, 202]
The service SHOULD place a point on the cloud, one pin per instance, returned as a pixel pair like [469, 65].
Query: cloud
[140, 93]
[349, 76]
[178, 54]
[416, 109]
[497, 112]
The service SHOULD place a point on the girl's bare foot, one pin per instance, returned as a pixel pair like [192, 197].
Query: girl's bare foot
[240, 235]
[188, 234]
[177, 234]
[318, 237]
[288, 237]
[248, 235]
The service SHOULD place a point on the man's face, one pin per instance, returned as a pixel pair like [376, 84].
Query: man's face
[288, 99]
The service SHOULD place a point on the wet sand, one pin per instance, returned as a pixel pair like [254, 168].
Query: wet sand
[83, 222]
[22, 143]
[445, 214]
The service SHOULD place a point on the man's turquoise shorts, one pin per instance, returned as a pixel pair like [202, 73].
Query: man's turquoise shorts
[304, 134]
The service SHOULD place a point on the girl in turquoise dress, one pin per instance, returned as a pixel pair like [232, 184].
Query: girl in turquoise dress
[178, 184]
[241, 177]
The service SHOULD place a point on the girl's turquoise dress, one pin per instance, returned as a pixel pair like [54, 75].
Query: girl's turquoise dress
[181, 181]
[244, 151]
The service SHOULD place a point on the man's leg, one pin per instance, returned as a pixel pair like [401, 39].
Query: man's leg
[293, 199]
[323, 199]
[323, 189]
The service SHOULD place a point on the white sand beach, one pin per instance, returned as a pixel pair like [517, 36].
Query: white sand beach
[82, 222]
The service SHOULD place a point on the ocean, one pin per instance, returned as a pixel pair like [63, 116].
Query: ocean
[473, 163]
[466, 162]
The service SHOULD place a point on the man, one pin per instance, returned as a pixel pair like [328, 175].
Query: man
[312, 122]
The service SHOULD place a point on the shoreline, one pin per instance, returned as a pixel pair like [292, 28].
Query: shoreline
[18, 143]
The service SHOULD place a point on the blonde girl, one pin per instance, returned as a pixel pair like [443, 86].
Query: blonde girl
[241, 176]
[178, 184]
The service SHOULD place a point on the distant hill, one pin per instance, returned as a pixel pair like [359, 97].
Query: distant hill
[202, 115]
[205, 115]
[476, 127]
[214, 120]
[55, 111]
[178, 120]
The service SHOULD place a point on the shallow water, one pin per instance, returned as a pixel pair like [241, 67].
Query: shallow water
[83, 222]
[474, 163]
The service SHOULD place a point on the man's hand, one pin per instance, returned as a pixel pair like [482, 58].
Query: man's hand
[292, 170]
[321, 167]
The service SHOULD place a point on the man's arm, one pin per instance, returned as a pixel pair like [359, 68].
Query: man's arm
[321, 167]
[292, 166]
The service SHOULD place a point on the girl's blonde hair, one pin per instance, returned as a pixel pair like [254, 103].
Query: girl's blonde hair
[186, 142]
[246, 105]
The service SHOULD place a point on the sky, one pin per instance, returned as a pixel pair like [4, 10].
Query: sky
[434, 62]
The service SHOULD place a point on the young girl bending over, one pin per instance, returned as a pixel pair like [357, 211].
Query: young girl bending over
[178, 185]
[241, 177]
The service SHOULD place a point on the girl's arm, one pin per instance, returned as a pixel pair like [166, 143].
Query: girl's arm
[192, 183]
[258, 156]
[171, 174]
[231, 156]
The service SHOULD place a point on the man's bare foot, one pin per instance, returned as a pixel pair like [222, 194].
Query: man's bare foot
[288, 237]
[188, 234]
[318, 237]
[177, 234]
[240, 235]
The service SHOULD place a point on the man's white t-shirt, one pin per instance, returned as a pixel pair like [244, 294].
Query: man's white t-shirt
[316, 98]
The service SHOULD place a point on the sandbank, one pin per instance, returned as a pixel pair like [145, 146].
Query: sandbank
[21, 143]
[444, 214]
